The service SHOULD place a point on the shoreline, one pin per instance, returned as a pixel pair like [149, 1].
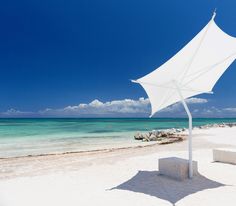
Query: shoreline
[29, 166]
[180, 132]
[82, 152]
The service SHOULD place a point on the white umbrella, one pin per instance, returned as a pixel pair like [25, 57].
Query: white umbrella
[194, 70]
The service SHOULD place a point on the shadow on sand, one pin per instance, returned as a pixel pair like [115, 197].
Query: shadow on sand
[151, 183]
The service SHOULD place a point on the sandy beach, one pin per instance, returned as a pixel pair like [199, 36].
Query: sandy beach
[127, 176]
[118, 103]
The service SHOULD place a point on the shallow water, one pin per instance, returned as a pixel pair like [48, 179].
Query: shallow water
[21, 137]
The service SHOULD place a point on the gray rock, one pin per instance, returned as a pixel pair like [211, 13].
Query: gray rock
[146, 137]
[153, 137]
[138, 136]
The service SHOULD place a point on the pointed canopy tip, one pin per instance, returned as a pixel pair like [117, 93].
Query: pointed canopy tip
[134, 81]
[150, 116]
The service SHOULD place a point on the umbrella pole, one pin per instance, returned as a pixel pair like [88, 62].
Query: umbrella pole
[190, 132]
[189, 139]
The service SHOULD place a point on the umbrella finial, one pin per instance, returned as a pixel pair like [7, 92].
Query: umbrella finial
[214, 14]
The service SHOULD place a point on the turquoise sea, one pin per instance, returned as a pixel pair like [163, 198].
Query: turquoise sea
[22, 137]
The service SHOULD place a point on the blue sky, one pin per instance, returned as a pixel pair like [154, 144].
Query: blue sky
[56, 55]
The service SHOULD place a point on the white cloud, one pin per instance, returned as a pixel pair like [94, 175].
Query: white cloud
[195, 100]
[125, 107]
[178, 107]
[214, 112]
[116, 108]
[232, 109]
[96, 107]
[15, 113]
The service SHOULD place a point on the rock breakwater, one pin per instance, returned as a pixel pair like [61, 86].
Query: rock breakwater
[169, 136]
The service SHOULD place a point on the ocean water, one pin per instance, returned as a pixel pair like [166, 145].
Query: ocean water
[22, 137]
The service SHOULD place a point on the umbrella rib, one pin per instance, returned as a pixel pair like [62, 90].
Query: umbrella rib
[196, 51]
[202, 71]
[207, 69]
[168, 87]
[152, 84]
[209, 66]
[168, 95]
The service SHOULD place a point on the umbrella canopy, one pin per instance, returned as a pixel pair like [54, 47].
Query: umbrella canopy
[195, 69]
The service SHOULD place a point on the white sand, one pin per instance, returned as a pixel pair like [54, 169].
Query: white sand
[101, 178]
